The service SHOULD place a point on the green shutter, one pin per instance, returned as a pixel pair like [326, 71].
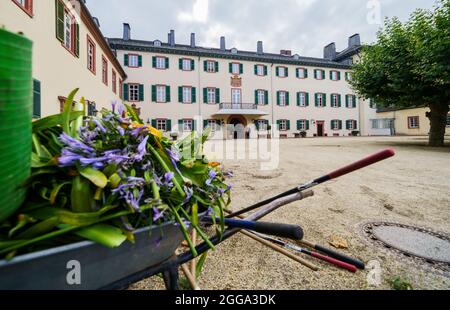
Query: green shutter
[205, 95]
[324, 98]
[256, 97]
[256, 124]
[194, 125]
[77, 39]
[277, 71]
[315, 73]
[354, 101]
[36, 99]
[180, 63]
[126, 93]
[307, 124]
[217, 95]
[154, 93]
[59, 20]
[169, 125]
[278, 98]
[331, 124]
[256, 69]
[205, 123]
[340, 124]
[307, 99]
[141, 92]
[278, 124]
[126, 60]
[230, 67]
[265, 70]
[287, 98]
[356, 125]
[306, 73]
[317, 99]
[288, 124]
[323, 74]
[299, 125]
[297, 72]
[298, 99]
[339, 75]
[216, 65]
[154, 123]
[287, 71]
[180, 125]
[180, 94]
[331, 74]
[154, 62]
[205, 65]
[140, 61]
[192, 64]
[347, 125]
[241, 68]
[167, 93]
[167, 62]
[266, 97]
[339, 101]
[194, 95]
[346, 101]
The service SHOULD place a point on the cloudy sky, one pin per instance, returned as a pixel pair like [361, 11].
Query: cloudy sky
[304, 26]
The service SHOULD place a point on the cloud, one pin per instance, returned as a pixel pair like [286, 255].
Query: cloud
[198, 14]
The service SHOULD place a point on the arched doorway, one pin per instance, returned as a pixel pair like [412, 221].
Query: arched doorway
[238, 130]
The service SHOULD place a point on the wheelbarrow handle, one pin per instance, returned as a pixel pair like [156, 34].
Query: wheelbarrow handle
[293, 232]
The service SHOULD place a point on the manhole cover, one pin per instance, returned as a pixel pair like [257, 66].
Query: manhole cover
[423, 243]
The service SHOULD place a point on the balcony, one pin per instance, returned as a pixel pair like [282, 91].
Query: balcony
[228, 108]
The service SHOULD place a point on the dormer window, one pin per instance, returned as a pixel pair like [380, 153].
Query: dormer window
[157, 43]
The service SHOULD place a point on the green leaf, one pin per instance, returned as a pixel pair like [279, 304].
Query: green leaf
[79, 107]
[82, 198]
[133, 115]
[104, 234]
[52, 121]
[67, 111]
[200, 263]
[55, 191]
[95, 176]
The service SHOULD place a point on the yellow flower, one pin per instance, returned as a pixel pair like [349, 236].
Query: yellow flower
[155, 132]
[213, 164]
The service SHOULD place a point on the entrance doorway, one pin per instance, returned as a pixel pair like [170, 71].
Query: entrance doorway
[320, 128]
[238, 128]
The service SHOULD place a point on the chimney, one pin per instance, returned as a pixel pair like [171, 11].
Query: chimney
[172, 37]
[96, 21]
[222, 43]
[354, 40]
[126, 31]
[286, 52]
[168, 38]
[192, 40]
[259, 48]
[329, 51]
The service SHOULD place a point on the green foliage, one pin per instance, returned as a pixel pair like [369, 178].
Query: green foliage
[409, 65]
[398, 284]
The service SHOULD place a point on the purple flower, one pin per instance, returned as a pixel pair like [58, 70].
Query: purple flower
[212, 175]
[134, 201]
[157, 214]
[121, 130]
[68, 158]
[174, 156]
[229, 173]
[189, 194]
[99, 125]
[168, 178]
[120, 109]
[137, 131]
[125, 224]
[74, 144]
[113, 106]
[90, 161]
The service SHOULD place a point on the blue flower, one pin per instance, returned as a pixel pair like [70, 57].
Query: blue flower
[74, 144]
[99, 125]
[157, 214]
[212, 175]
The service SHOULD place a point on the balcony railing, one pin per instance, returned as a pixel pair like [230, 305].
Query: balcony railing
[238, 106]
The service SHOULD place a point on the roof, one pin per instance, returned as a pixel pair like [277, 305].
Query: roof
[393, 109]
[348, 52]
[95, 30]
[180, 49]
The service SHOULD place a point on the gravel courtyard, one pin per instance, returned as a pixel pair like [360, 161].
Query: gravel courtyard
[411, 188]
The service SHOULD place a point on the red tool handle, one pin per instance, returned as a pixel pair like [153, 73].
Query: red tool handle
[362, 163]
[334, 261]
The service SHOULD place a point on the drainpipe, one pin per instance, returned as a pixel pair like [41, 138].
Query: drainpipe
[360, 116]
[272, 94]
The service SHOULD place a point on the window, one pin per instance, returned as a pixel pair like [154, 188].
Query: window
[350, 101]
[161, 63]
[301, 124]
[348, 76]
[448, 119]
[186, 64]
[213, 124]
[188, 125]
[26, 5]
[262, 124]
[302, 73]
[282, 72]
[120, 89]
[334, 100]
[91, 109]
[302, 99]
[114, 81]
[236, 68]
[283, 125]
[336, 124]
[161, 124]
[187, 94]
[91, 57]
[413, 122]
[260, 70]
[352, 125]
[335, 75]
[261, 97]
[133, 92]
[210, 66]
[382, 123]
[104, 70]
[211, 96]
[161, 93]
[133, 61]
[320, 100]
[68, 31]
[282, 98]
[319, 74]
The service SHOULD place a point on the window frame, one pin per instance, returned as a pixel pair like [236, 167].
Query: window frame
[284, 92]
[350, 102]
[164, 87]
[303, 69]
[212, 90]
[130, 85]
[161, 124]
[410, 123]
[72, 32]
[334, 96]
[284, 72]
[258, 66]
[282, 123]
[302, 123]
[320, 97]
[335, 72]
[320, 77]
[114, 81]
[302, 95]
[158, 58]
[105, 74]
[129, 60]
[183, 88]
[352, 123]
[335, 124]
[27, 8]
[90, 41]
[186, 60]
[261, 100]
[186, 121]
[211, 63]
[238, 64]
[121, 89]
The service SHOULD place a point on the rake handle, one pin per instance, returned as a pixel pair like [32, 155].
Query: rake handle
[334, 261]
[355, 262]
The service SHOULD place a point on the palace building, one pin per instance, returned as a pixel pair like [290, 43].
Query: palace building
[172, 84]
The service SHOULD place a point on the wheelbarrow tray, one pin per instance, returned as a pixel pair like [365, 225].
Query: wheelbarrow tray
[98, 265]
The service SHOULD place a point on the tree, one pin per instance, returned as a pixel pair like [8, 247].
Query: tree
[409, 66]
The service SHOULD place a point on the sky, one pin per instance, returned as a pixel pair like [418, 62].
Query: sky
[303, 26]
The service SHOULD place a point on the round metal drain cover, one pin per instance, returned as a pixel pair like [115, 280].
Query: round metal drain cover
[413, 241]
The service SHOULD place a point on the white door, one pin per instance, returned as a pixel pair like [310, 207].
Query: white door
[236, 98]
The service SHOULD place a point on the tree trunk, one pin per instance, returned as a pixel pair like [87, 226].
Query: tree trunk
[438, 121]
